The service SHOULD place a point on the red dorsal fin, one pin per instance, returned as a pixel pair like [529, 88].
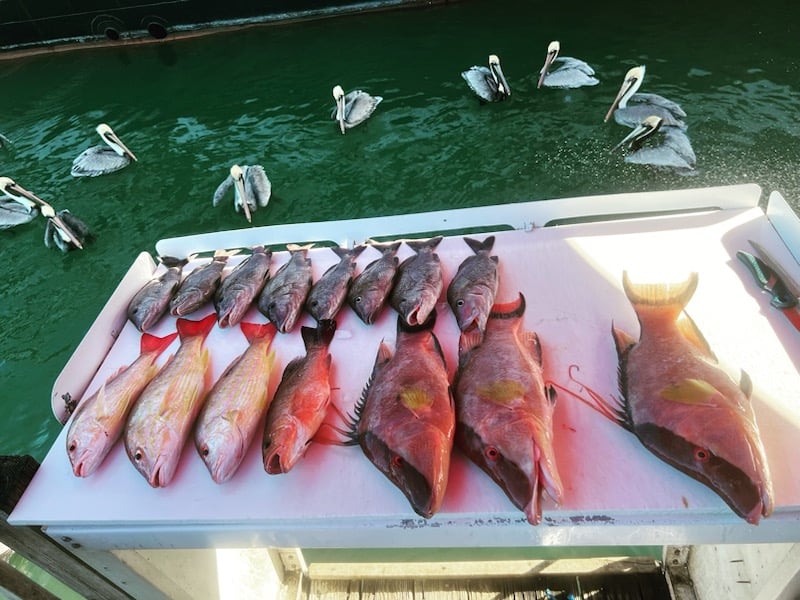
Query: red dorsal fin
[187, 328]
[151, 343]
[256, 331]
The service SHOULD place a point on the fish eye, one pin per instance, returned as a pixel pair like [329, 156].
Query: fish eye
[491, 453]
[204, 452]
[72, 447]
[138, 455]
[701, 454]
[460, 302]
[398, 461]
[358, 299]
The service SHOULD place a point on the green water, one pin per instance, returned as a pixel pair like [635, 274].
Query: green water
[191, 108]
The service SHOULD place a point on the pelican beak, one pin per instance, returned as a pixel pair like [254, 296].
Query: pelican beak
[63, 229]
[642, 131]
[125, 151]
[24, 197]
[340, 113]
[502, 84]
[547, 62]
[626, 85]
[239, 182]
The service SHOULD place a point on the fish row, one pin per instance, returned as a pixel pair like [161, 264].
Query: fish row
[498, 410]
[412, 287]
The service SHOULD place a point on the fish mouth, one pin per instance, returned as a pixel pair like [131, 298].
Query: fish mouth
[414, 484]
[273, 464]
[748, 498]
[158, 477]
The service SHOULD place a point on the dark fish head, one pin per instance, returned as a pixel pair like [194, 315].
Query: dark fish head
[284, 313]
[472, 308]
[367, 303]
[723, 461]
[418, 464]
[509, 454]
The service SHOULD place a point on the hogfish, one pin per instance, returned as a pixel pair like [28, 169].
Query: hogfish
[472, 290]
[162, 417]
[300, 402]
[505, 409]
[405, 419]
[682, 406]
[419, 282]
[236, 405]
[98, 421]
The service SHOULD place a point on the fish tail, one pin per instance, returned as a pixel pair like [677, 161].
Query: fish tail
[347, 252]
[320, 336]
[298, 247]
[257, 331]
[675, 295]
[225, 254]
[509, 310]
[188, 328]
[403, 325]
[151, 343]
[171, 261]
[417, 245]
[478, 246]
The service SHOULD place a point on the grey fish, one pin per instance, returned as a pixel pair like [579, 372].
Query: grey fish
[327, 295]
[150, 303]
[419, 282]
[370, 289]
[199, 286]
[241, 286]
[472, 291]
[283, 297]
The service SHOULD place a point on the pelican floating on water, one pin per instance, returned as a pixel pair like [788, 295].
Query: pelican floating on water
[572, 72]
[251, 188]
[643, 105]
[103, 159]
[13, 213]
[62, 230]
[354, 108]
[673, 150]
[489, 83]
[4, 141]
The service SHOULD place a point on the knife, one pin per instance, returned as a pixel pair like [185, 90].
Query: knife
[770, 277]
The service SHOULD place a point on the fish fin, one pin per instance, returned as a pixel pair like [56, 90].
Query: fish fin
[384, 356]
[188, 328]
[531, 340]
[614, 410]
[415, 399]
[746, 384]
[469, 340]
[298, 247]
[661, 294]
[225, 253]
[171, 261]
[693, 335]
[622, 340]
[256, 331]
[479, 246]
[348, 252]
[151, 343]
[327, 432]
[509, 310]
[417, 245]
[320, 336]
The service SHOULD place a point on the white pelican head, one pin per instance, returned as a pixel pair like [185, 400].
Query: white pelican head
[633, 80]
[552, 53]
[109, 137]
[498, 76]
[240, 196]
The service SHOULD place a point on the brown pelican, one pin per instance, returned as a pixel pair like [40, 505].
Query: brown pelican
[644, 105]
[251, 188]
[62, 229]
[99, 160]
[672, 151]
[13, 213]
[353, 108]
[572, 73]
[4, 141]
[488, 83]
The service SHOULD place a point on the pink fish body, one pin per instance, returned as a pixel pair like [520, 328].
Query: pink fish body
[162, 418]
[300, 402]
[505, 409]
[99, 420]
[236, 405]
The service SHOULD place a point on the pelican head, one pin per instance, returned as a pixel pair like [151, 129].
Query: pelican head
[237, 173]
[109, 137]
[552, 53]
[338, 95]
[28, 199]
[633, 79]
[497, 75]
[646, 129]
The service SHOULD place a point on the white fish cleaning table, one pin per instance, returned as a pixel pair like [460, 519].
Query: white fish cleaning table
[567, 257]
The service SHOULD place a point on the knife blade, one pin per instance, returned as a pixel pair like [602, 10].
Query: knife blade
[771, 281]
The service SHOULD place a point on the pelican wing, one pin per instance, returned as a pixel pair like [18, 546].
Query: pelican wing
[635, 113]
[673, 152]
[222, 189]
[13, 213]
[480, 81]
[358, 106]
[257, 186]
[656, 100]
[572, 73]
[98, 160]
